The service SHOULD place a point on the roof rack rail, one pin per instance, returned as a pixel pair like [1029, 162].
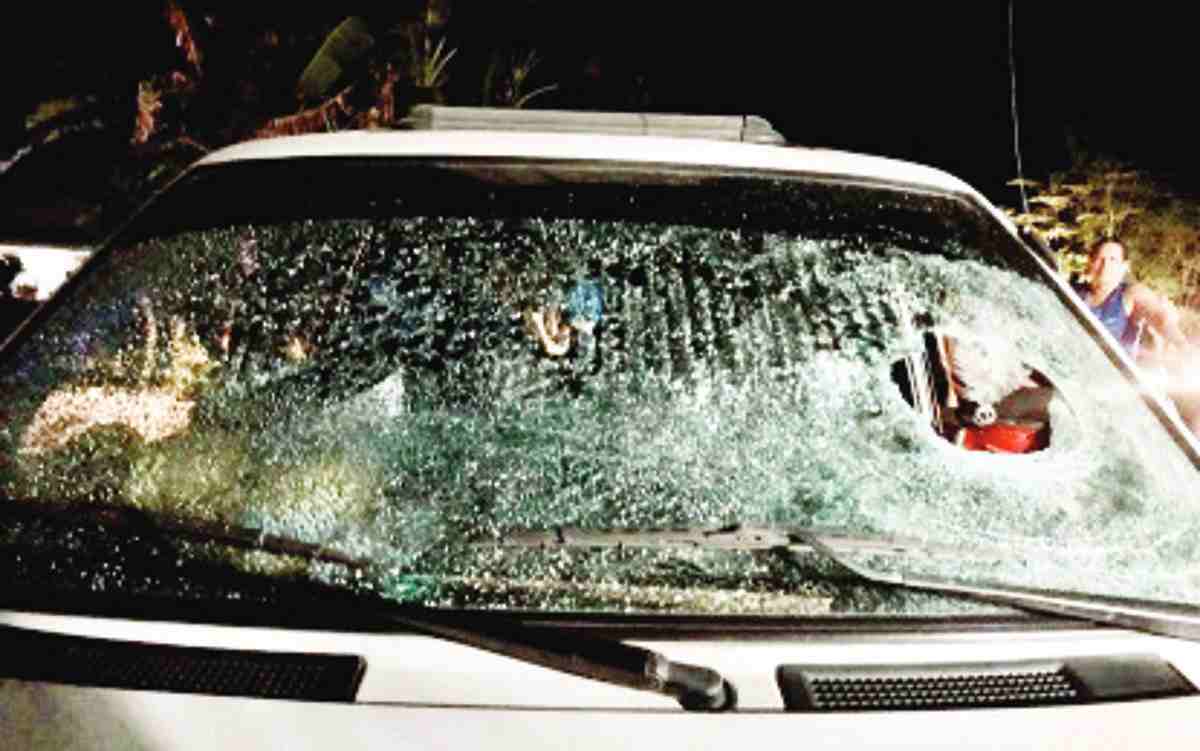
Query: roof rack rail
[745, 128]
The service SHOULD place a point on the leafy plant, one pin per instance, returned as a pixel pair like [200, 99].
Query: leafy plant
[428, 61]
[357, 79]
[149, 102]
[52, 108]
[345, 46]
[509, 91]
[184, 38]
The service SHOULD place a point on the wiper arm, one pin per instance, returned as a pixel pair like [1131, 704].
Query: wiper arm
[1179, 621]
[1150, 617]
[695, 688]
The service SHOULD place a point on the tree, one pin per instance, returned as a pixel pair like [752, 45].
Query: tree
[367, 73]
[201, 76]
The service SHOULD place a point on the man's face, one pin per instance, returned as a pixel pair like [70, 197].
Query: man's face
[1107, 266]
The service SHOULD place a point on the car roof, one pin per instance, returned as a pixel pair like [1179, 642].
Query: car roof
[628, 149]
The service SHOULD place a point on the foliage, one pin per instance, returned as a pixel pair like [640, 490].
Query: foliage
[330, 115]
[149, 102]
[232, 80]
[1168, 243]
[1100, 199]
[509, 90]
[183, 36]
[428, 61]
[333, 62]
[51, 109]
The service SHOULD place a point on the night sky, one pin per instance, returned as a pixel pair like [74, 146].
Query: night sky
[932, 82]
[928, 82]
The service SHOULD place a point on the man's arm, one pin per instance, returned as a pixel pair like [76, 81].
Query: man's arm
[1158, 313]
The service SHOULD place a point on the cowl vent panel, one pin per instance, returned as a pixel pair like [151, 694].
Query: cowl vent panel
[1077, 680]
[81, 661]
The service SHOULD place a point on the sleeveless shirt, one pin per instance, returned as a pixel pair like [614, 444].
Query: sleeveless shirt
[1111, 313]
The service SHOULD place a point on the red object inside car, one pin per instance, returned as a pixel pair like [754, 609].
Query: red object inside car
[1003, 438]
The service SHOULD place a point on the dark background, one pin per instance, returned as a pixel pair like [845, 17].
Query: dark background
[929, 82]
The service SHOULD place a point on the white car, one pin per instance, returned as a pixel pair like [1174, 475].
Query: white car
[548, 430]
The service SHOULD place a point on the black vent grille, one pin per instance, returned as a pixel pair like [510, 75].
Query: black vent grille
[942, 691]
[33, 656]
[962, 686]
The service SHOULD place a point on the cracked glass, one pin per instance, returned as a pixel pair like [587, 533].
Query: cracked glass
[443, 357]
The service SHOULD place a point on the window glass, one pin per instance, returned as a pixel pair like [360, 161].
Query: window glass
[417, 383]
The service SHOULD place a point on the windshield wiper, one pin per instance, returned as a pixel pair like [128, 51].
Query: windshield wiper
[1151, 617]
[729, 537]
[1181, 621]
[694, 687]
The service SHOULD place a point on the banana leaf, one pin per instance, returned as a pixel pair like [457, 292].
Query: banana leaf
[344, 47]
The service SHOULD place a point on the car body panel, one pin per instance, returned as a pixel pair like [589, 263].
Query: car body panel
[661, 150]
[419, 692]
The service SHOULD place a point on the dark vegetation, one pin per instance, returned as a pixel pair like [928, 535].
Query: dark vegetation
[81, 148]
[118, 100]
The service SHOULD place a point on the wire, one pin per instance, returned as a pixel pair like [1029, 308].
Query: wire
[1012, 70]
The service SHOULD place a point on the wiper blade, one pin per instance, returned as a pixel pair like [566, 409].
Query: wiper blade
[730, 537]
[1164, 619]
[694, 687]
[1151, 617]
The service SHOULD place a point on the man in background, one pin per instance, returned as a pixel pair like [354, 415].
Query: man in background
[1144, 322]
[1147, 326]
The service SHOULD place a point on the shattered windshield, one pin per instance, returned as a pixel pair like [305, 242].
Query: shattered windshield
[433, 362]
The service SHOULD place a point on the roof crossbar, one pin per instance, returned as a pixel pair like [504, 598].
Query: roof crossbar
[745, 128]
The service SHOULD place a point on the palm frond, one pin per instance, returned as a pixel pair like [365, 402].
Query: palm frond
[432, 70]
[536, 92]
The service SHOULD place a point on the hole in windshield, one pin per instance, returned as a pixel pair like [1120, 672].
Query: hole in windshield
[977, 394]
